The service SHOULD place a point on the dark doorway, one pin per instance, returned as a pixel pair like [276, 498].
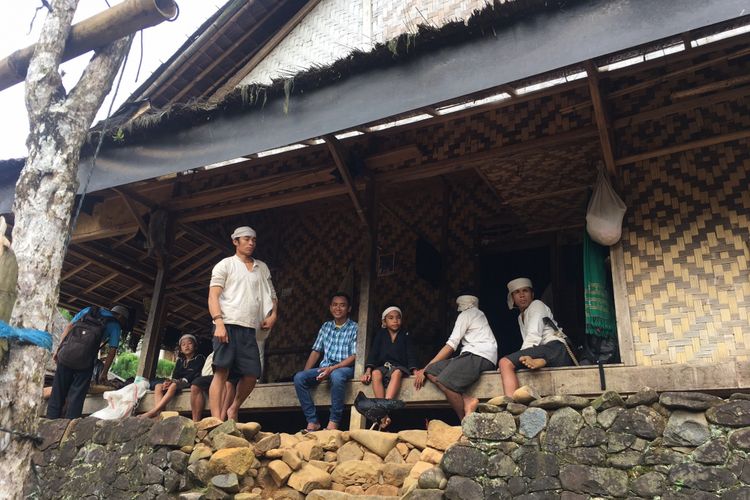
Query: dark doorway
[557, 275]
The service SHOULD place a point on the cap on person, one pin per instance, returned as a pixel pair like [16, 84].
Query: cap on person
[188, 336]
[122, 313]
[243, 231]
[517, 284]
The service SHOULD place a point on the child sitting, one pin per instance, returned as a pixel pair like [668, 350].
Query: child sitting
[391, 358]
[188, 367]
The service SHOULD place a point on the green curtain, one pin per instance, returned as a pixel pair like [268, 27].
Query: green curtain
[600, 318]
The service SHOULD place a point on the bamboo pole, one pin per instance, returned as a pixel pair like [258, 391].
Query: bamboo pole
[97, 31]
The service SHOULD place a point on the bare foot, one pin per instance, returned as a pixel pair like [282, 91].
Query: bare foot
[332, 426]
[470, 405]
[232, 413]
[532, 363]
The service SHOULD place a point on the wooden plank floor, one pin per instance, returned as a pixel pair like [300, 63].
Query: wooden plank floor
[725, 377]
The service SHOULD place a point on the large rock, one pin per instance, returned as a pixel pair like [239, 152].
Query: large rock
[648, 485]
[441, 435]
[740, 439]
[350, 451]
[310, 449]
[606, 418]
[557, 402]
[562, 429]
[378, 442]
[426, 494]
[237, 460]
[644, 397]
[433, 478]
[175, 432]
[431, 455]
[641, 421]
[356, 472]
[694, 401]
[223, 440]
[394, 456]
[394, 474]
[416, 438]
[200, 451]
[536, 464]
[51, 431]
[227, 482]
[279, 471]
[492, 426]
[464, 461]
[199, 472]
[686, 428]
[267, 443]
[228, 427]
[591, 436]
[701, 477]
[329, 440]
[501, 465]
[532, 421]
[596, 481]
[608, 399]
[341, 495]
[293, 458]
[461, 488]
[713, 452]
[735, 413]
[249, 429]
[382, 490]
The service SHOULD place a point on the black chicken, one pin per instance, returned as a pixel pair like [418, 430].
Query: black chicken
[376, 409]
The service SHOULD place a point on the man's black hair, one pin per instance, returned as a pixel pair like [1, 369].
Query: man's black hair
[341, 294]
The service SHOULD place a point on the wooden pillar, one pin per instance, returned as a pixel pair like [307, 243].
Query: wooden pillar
[622, 307]
[444, 249]
[366, 294]
[156, 314]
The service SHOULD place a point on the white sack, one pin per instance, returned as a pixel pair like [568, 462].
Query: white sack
[604, 213]
[122, 402]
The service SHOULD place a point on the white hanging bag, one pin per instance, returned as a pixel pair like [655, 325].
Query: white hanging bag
[604, 213]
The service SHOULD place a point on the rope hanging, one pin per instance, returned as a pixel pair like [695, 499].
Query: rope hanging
[27, 335]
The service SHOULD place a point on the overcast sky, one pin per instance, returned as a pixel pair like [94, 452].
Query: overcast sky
[159, 43]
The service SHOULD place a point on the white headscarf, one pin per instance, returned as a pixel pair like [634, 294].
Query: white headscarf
[465, 302]
[243, 231]
[390, 309]
[517, 284]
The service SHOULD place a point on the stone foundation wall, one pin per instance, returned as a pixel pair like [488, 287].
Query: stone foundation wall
[673, 445]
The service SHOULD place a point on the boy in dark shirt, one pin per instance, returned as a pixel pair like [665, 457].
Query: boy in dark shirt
[391, 358]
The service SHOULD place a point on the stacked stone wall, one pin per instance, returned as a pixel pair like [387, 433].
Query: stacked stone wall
[673, 445]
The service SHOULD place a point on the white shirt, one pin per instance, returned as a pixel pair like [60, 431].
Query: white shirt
[473, 333]
[246, 293]
[533, 329]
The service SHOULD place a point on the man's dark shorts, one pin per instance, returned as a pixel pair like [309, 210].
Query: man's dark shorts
[553, 352]
[204, 381]
[387, 371]
[459, 373]
[240, 354]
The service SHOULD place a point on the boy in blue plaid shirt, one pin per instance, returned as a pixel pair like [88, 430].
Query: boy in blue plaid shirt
[336, 344]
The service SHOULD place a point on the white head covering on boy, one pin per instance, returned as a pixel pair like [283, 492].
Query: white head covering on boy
[517, 284]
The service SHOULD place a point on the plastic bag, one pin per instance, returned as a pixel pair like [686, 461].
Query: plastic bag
[604, 213]
[122, 402]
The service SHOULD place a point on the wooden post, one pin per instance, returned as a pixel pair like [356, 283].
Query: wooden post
[152, 336]
[622, 308]
[443, 296]
[603, 123]
[366, 293]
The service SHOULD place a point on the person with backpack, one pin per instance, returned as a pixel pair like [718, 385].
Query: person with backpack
[76, 354]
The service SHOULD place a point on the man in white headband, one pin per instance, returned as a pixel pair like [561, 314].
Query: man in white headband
[473, 336]
[541, 344]
[237, 281]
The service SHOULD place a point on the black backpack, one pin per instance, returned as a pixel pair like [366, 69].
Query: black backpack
[80, 347]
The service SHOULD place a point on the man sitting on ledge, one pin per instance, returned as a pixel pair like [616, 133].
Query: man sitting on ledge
[454, 376]
[337, 343]
[541, 344]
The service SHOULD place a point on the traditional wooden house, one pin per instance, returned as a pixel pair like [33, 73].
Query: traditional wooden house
[409, 150]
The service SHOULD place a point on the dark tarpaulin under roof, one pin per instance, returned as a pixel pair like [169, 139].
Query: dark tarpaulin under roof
[541, 43]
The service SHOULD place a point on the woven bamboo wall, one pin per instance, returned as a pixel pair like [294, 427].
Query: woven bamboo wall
[687, 228]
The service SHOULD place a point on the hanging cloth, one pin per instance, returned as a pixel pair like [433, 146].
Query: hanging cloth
[600, 318]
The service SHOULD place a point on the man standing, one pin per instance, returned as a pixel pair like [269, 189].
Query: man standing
[453, 376]
[241, 299]
[337, 344]
[76, 354]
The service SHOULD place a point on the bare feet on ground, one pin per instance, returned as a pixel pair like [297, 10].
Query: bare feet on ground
[232, 413]
[532, 363]
[470, 405]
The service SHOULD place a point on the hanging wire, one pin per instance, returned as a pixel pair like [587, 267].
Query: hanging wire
[74, 221]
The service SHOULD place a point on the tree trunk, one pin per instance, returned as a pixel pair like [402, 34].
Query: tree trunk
[43, 204]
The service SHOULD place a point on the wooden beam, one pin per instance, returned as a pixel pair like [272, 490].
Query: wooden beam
[548, 194]
[603, 125]
[195, 265]
[75, 270]
[128, 292]
[334, 146]
[133, 211]
[101, 282]
[702, 143]
[711, 87]
[197, 250]
[625, 340]
[205, 237]
[112, 262]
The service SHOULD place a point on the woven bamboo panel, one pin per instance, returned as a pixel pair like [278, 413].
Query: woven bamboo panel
[390, 19]
[686, 255]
